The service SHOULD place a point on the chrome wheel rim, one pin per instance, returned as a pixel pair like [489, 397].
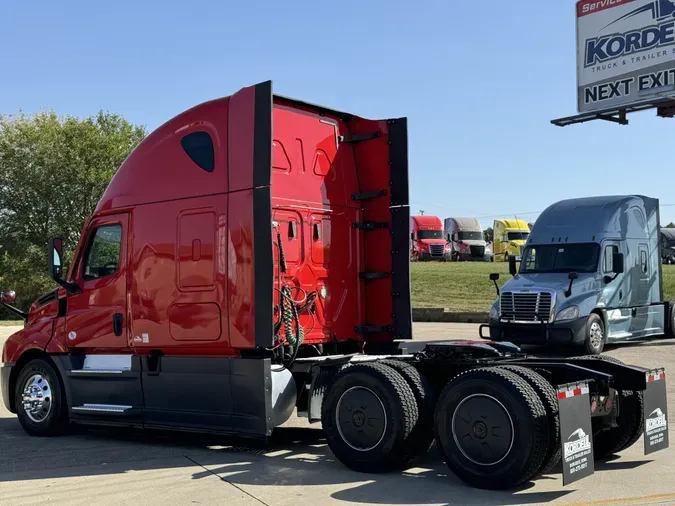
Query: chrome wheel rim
[37, 398]
[596, 335]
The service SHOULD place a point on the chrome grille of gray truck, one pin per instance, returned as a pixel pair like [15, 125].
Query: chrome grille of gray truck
[437, 250]
[525, 307]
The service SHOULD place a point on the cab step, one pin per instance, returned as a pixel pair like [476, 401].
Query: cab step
[102, 408]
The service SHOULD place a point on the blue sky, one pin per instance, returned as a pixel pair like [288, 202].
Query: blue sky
[479, 82]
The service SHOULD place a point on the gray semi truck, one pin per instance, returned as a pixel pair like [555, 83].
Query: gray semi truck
[590, 274]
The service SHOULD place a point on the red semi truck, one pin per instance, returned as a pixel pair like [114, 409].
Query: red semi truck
[427, 241]
[249, 260]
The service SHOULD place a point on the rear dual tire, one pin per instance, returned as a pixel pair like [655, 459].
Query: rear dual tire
[549, 398]
[368, 415]
[630, 422]
[422, 434]
[492, 428]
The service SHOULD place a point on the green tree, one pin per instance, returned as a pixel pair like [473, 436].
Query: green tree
[488, 234]
[53, 170]
[670, 225]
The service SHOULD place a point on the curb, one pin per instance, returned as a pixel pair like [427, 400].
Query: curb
[440, 315]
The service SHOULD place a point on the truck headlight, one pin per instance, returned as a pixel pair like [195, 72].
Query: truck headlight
[569, 313]
[494, 314]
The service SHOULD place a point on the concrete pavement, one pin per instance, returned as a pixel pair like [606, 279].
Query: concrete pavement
[103, 466]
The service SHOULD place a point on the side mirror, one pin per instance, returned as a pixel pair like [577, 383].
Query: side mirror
[494, 277]
[571, 276]
[8, 297]
[412, 236]
[512, 266]
[617, 263]
[55, 255]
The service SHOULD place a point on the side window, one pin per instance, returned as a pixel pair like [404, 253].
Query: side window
[643, 261]
[199, 147]
[531, 259]
[103, 253]
[609, 257]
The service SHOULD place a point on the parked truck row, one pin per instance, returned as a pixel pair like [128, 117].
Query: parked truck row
[463, 239]
[231, 276]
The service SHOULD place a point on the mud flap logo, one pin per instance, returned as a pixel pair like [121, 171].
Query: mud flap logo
[656, 420]
[575, 432]
[656, 412]
[582, 444]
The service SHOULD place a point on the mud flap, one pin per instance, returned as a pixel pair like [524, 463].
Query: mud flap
[576, 431]
[656, 412]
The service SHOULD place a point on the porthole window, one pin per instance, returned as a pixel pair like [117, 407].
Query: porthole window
[199, 147]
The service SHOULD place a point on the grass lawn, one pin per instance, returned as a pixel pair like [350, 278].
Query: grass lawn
[467, 286]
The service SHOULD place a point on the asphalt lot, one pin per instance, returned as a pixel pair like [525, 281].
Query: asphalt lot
[116, 467]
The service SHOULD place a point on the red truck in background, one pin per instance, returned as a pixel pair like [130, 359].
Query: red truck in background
[427, 241]
[248, 261]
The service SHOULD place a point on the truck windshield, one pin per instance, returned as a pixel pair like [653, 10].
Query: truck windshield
[560, 258]
[470, 236]
[430, 234]
[518, 236]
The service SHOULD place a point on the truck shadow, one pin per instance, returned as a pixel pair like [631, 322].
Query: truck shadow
[293, 457]
[303, 460]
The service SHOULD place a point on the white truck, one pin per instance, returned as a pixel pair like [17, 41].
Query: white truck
[465, 238]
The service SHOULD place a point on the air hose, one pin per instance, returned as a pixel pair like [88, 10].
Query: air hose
[290, 315]
[287, 307]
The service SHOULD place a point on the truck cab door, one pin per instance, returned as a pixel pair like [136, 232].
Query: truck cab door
[645, 276]
[97, 315]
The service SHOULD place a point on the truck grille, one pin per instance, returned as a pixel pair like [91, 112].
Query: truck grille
[437, 250]
[525, 307]
[477, 251]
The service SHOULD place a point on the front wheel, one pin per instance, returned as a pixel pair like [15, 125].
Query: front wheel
[594, 341]
[40, 402]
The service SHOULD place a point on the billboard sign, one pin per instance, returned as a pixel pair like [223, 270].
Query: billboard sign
[625, 52]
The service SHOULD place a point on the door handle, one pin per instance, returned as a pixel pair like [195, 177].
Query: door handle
[117, 324]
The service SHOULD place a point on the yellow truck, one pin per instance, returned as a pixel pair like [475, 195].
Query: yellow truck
[509, 239]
